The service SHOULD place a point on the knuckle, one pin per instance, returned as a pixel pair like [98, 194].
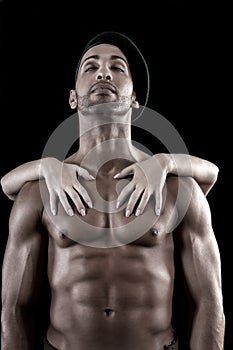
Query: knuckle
[75, 196]
[134, 196]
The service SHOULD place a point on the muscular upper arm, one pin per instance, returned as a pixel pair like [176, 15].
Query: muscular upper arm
[198, 247]
[25, 251]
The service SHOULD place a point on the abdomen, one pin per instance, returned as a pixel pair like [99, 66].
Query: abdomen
[123, 293]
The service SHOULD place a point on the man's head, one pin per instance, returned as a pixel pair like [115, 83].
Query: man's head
[104, 77]
[106, 72]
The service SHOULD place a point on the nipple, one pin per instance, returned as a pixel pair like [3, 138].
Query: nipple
[61, 235]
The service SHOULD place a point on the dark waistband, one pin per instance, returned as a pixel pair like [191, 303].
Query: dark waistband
[172, 346]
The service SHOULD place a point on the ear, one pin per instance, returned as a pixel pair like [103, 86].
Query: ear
[72, 99]
[134, 103]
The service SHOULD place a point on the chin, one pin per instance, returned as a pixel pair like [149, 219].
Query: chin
[106, 107]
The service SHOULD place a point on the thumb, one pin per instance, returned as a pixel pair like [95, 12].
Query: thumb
[84, 173]
[158, 202]
[123, 173]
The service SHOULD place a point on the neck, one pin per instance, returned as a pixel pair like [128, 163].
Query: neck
[96, 129]
[103, 139]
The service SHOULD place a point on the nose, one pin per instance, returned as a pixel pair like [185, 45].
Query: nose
[101, 76]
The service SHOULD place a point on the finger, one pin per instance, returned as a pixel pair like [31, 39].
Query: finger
[158, 202]
[126, 171]
[65, 203]
[84, 173]
[125, 192]
[83, 192]
[132, 201]
[75, 197]
[53, 200]
[143, 202]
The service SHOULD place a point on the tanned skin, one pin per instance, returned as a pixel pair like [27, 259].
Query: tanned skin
[110, 298]
[106, 297]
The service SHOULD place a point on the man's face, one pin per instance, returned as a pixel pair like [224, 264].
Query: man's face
[103, 77]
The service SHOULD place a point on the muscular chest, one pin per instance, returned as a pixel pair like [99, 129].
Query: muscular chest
[105, 226]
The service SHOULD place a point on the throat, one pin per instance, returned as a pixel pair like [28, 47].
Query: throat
[115, 136]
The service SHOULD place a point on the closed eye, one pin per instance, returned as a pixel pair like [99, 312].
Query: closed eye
[90, 69]
[118, 68]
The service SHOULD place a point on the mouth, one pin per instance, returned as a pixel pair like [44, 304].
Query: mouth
[103, 88]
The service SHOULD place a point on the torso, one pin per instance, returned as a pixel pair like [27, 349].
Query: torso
[111, 277]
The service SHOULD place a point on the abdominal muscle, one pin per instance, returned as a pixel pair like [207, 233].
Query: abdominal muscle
[111, 298]
[118, 298]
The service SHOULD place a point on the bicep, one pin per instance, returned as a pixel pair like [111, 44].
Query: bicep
[24, 255]
[22, 272]
[201, 264]
[199, 250]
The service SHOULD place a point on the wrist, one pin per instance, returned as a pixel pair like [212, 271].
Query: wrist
[166, 161]
[43, 166]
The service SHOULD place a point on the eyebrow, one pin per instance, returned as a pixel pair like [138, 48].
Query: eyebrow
[113, 57]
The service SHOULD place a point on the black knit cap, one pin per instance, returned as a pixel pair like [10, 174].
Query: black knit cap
[137, 63]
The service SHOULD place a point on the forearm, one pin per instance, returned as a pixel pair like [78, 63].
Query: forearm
[208, 328]
[203, 171]
[13, 181]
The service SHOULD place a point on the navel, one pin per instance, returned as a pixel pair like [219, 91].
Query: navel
[109, 312]
[154, 231]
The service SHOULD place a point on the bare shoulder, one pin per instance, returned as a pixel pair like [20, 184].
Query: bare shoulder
[30, 195]
[187, 186]
[192, 205]
[26, 213]
[72, 158]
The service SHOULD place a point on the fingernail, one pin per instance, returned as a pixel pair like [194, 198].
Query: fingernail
[138, 211]
[83, 212]
[70, 212]
[89, 204]
[127, 213]
[116, 176]
[54, 212]
[117, 204]
[92, 177]
[157, 212]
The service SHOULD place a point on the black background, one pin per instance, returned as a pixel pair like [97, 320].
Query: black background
[187, 50]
